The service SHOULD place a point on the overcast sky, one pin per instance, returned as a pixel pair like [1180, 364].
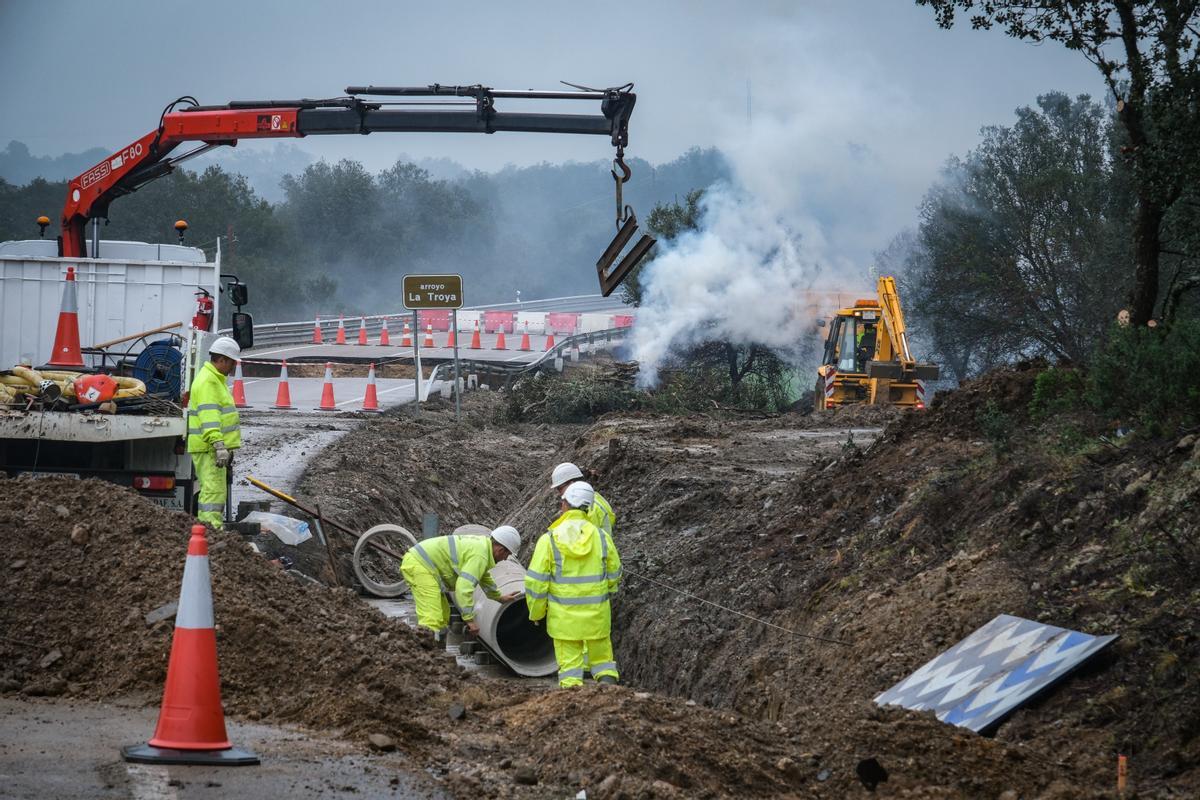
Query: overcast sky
[870, 91]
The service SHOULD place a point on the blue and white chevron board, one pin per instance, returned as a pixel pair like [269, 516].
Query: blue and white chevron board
[992, 671]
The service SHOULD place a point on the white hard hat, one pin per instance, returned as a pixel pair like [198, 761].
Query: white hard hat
[563, 473]
[579, 494]
[508, 538]
[225, 347]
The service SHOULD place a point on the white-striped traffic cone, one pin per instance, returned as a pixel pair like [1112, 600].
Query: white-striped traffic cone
[191, 722]
[66, 337]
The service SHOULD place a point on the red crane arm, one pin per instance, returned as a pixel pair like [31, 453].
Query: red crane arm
[89, 194]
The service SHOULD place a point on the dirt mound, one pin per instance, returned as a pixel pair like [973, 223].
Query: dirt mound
[397, 467]
[899, 548]
[85, 562]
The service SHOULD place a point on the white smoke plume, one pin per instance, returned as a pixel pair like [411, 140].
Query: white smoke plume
[809, 201]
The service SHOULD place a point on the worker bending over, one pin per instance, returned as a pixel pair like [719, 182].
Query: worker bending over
[601, 513]
[574, 571]
[213, 429]
[456, 565]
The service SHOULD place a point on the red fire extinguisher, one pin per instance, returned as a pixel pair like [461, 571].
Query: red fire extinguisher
[204, 311]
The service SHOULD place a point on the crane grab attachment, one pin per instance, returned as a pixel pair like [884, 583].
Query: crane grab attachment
[186, 120]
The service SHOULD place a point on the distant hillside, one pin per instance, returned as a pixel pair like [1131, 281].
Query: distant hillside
[18, 166]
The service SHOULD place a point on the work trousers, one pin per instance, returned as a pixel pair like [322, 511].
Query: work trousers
[213, 488]
[433, 610]
[570, 654]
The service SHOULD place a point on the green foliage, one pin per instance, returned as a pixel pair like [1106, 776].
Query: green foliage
[1023, 247]
[1055, 391]
[1148, 53]
[546, 397]
[1148, 377]
[996, 426]
[748, 377]
[342, 237]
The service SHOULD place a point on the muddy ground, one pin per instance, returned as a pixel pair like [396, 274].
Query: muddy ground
[894, 545]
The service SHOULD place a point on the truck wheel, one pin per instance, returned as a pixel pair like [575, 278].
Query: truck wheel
[379, 573]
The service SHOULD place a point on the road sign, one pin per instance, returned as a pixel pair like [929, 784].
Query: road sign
[433, 291]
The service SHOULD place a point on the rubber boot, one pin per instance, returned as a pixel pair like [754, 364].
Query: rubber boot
[607, 679]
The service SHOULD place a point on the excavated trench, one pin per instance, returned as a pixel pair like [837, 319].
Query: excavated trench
[672, 481]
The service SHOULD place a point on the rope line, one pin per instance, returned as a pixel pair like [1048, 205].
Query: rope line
[788, 631]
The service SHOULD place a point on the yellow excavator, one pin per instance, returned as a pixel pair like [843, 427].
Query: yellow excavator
[867, 358]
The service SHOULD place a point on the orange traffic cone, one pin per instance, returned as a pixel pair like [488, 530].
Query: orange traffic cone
[428, 336]
[525, 339]
[327, 403]
[450, 337]
[475, 344]
[341, 332]
[549, 341]
[317, 332]
[384, 339]
[283, 397]
[370, 399]
[191, 722]
[500, 343]
[239, 388]
[406, 339]
[362, 330]
[66, 337]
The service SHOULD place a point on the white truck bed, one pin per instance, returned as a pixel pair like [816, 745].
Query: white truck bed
[91, 428]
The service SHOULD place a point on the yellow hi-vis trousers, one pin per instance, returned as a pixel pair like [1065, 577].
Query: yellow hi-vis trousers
[570, 654]
[211, 503]
[433, 610]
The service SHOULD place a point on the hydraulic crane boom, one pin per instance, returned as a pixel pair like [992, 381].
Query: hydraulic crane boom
[90, 194]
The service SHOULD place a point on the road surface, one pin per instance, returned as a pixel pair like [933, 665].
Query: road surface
[71, 749]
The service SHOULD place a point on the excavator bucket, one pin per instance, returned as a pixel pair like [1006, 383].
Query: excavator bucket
[611, 279]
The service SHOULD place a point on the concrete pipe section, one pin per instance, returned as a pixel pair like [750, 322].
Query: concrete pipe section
[505, 629]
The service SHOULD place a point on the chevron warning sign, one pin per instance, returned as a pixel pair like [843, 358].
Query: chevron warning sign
[994, 670]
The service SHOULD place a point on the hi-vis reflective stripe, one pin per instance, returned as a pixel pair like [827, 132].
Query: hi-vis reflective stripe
[195, 598]
[579, 601]
[537, 576]
[604, 666]
[536, 595]
[581, 578]
[557, 558]
[421, 552]
[195, 412]
[571, 673]
[469, 577]
[212, 506]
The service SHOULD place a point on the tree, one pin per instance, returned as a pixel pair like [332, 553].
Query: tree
[1148, 52]
[666, 221]
[1019, 246]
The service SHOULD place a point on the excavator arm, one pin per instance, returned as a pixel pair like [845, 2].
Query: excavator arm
[893, 324]
[185, 120]
[893, 355]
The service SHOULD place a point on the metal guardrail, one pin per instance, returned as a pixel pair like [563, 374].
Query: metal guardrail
[277, 333]
[509, 371]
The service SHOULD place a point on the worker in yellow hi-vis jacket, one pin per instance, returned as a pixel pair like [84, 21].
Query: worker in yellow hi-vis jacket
[455, 565]
[574, 571]
[600, 513]
[214, 431]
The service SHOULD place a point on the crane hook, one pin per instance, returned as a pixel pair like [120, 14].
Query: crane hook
[623, 211]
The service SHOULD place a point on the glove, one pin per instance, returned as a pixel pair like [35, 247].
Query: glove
[222, 455]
